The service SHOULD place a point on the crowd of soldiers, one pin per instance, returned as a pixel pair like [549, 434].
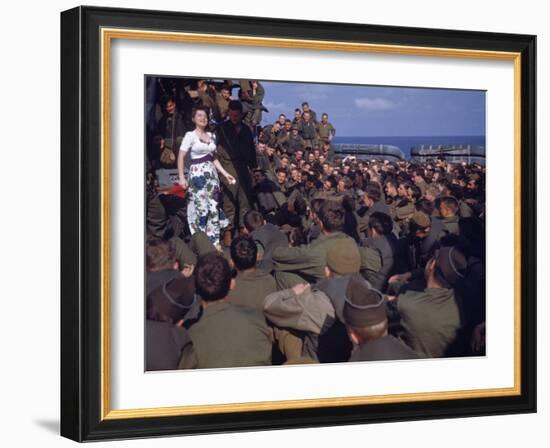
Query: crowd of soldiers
[327, 258]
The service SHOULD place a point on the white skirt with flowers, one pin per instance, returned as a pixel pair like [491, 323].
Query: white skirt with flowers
[203, 208]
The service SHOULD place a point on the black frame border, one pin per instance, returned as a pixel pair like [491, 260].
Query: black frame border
[81, 223]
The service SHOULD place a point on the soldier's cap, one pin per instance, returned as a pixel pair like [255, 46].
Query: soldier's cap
[451, 264]
[178, 292]
[343, 257]
[364, 306]
[421, 220]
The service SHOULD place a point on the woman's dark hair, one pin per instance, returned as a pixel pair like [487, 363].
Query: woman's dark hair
[212, 277]
[199, 108]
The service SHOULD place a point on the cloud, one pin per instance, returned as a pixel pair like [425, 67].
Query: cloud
[312, 92]
[374, 104]
[276, 107]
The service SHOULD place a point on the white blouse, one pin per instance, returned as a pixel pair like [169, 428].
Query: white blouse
[198, 148]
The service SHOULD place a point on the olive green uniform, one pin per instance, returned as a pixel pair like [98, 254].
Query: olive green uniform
[251, 288]
[294, 265]
[430, 319]
[227, 335]
[326, 132]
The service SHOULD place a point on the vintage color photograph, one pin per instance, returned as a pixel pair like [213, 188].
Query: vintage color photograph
[303, 223]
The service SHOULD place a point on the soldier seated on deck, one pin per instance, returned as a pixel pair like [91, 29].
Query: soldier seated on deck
[364, 313]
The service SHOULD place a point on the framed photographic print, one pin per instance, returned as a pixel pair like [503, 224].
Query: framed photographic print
[276, 224]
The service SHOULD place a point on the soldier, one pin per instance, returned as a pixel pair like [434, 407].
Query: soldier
[252, 94]
[448, 210]
[309, 131]
[424, 234]
[171, 129]
[226, 335]
[295, 140]
[297, 120]
[237, 155]
[266, 235]
[307, 263]
[251, 285]
[165, 338]
[281, 120]
[326, 130]
[367, 324]
[305, 108]
[223, 97]
[431, 317]
[373, 203]
[284, 136]
[419, 181]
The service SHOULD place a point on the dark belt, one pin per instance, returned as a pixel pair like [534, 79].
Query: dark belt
[206, 158]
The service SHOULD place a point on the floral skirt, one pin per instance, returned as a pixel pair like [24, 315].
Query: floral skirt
[203, 210]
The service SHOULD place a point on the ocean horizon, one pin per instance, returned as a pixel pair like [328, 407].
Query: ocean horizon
[405, 143]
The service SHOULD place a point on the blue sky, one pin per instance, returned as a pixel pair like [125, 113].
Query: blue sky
[361, 111]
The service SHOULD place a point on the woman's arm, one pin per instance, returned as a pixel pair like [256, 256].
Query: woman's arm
[181, 178]
[230, 179]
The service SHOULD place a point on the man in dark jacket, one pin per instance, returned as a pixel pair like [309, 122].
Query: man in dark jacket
[384, 241]
[237, 156]
[373, 204]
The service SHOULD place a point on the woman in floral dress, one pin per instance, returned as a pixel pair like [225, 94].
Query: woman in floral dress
[203, 210]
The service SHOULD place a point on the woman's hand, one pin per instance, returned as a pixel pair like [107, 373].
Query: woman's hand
[230, 179]
[183, 182]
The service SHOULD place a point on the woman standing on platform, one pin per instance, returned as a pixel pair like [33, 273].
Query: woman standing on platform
[203, 210]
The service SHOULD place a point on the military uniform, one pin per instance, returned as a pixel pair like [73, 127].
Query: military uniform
[450, 225]
[251, 288]
[430, 319]
[171, 129]
[306, 263]
[253, 116]
[309, 133]
[237, 155]
[326, 132]
[363, 221]
[228, 335]
[386, 348]
[268, 237]
[295, 142]
[164, 345]
[222, 107]
[464, 210]
[387, 246]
